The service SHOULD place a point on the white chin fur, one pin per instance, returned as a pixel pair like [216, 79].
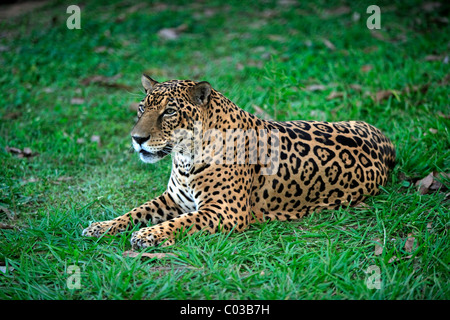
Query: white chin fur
[148, 159]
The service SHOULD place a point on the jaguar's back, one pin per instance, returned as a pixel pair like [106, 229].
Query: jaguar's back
[322, 165]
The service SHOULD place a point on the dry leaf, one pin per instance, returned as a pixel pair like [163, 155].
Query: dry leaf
[172, 33]
[168, 34]
[136, 7]
[378, 35]
[106, 81]
[208, 12]
[101, 49]
[362, 205]
[30, 180]
[328, 44]
[316, 87]
[417, 88]
[159, 255]
[59, 180]
[255, 63]
[6, 226]
[378, 247]
[445, 116]
[13, 150]
[437, 184]
[239, 66]
[25, 153]
[430, 182]
[370, 49]
[394, 258]
[96, 138]
[276, 37]
[409, 243]
[366, 68]
[336, 11]
[334, 95]
[64, 178]
[355, 87]
[12, 115]
[99, 79]
[77, 101]
[383, 94]
[433, 57]
[425, 183]
[117, 86]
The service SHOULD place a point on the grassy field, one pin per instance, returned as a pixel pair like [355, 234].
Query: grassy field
[68, 101]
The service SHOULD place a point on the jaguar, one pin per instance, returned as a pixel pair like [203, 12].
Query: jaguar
[231, 169]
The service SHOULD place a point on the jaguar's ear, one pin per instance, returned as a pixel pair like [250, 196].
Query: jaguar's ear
[148, 83]
[201, 92]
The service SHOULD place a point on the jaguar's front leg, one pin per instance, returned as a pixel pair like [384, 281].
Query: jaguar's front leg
[212, 218]
[155, 211]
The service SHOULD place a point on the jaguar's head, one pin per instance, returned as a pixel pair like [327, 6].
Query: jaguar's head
[167, 112]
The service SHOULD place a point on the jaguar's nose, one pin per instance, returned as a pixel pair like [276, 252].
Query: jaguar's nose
[140, 140]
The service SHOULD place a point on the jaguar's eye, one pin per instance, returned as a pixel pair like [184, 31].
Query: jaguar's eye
[170, 111]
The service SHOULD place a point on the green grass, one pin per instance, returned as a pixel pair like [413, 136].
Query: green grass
[267, 55]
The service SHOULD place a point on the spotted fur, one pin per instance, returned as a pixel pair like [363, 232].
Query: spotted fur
[321, 165]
